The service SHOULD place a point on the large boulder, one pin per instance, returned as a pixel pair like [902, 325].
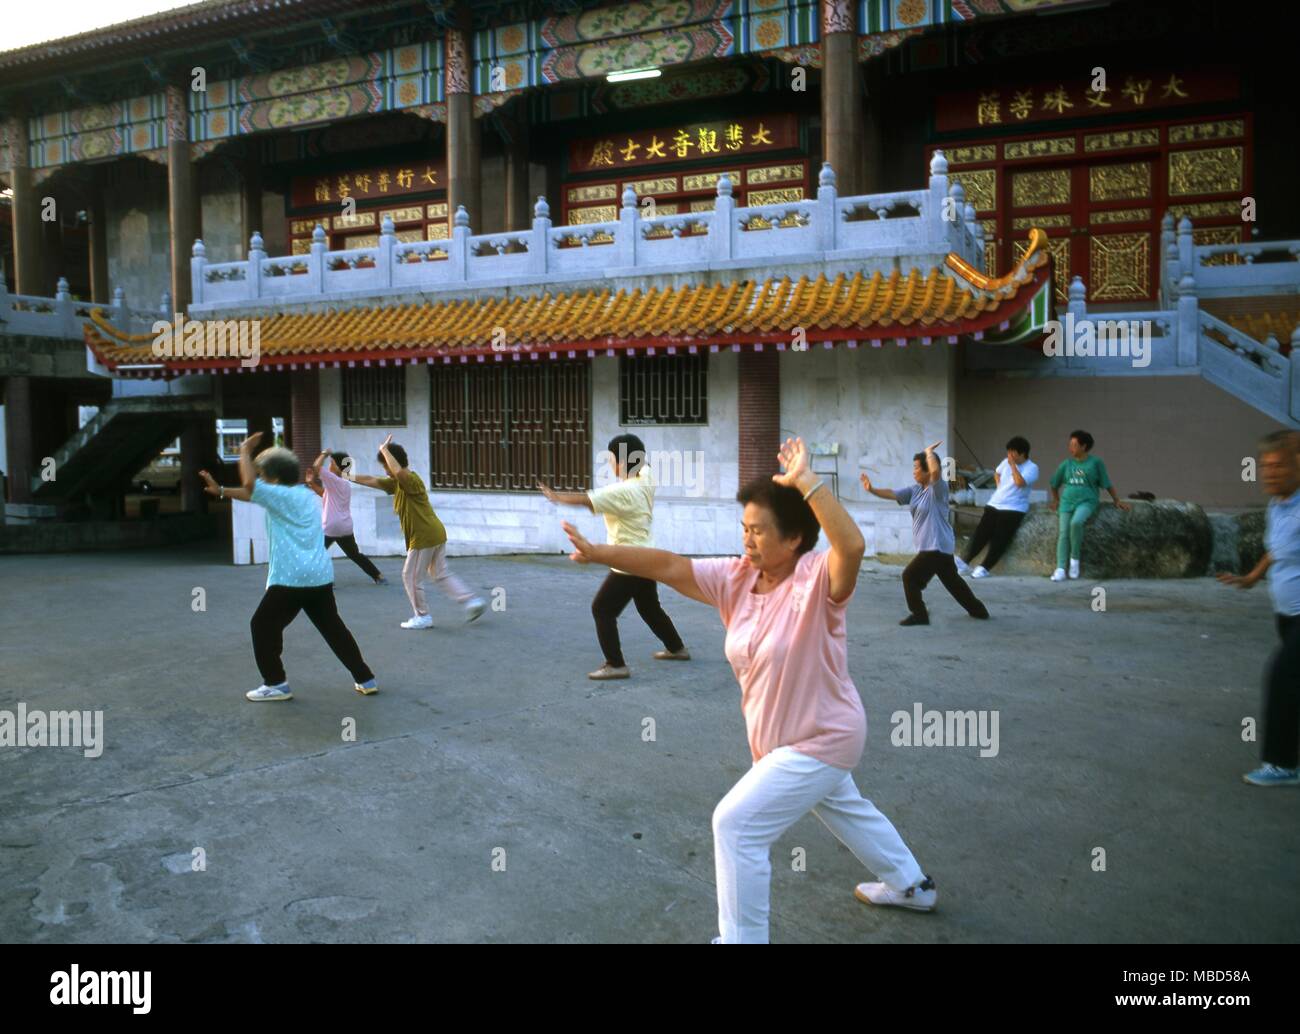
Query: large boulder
[1161, 539]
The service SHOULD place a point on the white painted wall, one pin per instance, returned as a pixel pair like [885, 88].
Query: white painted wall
[882, 405]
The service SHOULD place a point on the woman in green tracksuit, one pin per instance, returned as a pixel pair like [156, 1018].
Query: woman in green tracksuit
[1076, 496]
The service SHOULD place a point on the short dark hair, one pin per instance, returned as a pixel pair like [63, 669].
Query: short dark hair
[792, 514]
[397, 452]
[1280, 441]
[278, 465]
[1019, 444]
[1083, 438]
[341, 458]
[629, 450]
[920, 458]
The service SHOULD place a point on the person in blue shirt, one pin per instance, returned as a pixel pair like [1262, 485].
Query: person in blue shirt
[933, 537]
[1279, 473]
[300, 575]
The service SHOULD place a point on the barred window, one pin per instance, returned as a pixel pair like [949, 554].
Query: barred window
[669, 389]
[374, 397]
[501, 428]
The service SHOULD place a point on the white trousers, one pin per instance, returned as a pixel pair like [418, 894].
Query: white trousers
[770, 798]
[422, 562]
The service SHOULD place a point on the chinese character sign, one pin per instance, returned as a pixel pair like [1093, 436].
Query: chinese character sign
[685, 142]
[374, 184]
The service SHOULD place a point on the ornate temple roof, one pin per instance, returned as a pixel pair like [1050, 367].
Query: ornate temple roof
[943, 303]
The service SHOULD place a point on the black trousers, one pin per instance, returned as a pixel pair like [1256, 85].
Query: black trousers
[1281, 732]
[996, 530]
[349, 546]
[924, 566]
[613, 597]
[276, 612]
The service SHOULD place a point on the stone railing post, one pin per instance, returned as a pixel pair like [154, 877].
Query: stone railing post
[384, 259]
[936, 226]
[316, 260]
[1188, 321]
[957, 223]
[539, 249]
[253, 278]
[198, 260]
[722, 222]
[459, 252]
[1186, 255]
[626, 245]
[972, 227]
[1077, 306]
[826, 232]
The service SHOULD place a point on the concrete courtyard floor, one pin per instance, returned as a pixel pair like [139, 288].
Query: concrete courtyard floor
[487, 745]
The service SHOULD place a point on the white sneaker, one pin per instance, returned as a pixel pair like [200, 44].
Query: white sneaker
[1058, 575]
[419, 621]
[261, 693]
[962, 566]
[920, 898]
[980, 572]
[474, 608]
[1074, 569]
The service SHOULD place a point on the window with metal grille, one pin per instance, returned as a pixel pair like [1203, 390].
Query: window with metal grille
[374, 397]
[501, 428]
[668, 389]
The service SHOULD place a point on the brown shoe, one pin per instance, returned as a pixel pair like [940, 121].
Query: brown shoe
[606, 671]
[673, 655]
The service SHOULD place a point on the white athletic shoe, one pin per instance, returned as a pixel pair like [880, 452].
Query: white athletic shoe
[920, 898]
[980, 572]
[1058, 575]
[474, 608]
[419, 621]
[261, 693]
[1074, 569]
[608, 671]
[962, 566]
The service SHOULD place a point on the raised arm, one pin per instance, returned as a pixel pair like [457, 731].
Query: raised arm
[565, 498]
[848, 547]
[247, 474]
[932, 461]
[660, 565]
[395, 469]
[879, 493]
[1016, 476]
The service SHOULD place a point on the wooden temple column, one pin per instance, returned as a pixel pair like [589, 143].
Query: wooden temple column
[20, 461]
[304, 415]
[250, 200]
[182, 195]
[98, 232]
[843, 136]
[464, 185]
[519, 213]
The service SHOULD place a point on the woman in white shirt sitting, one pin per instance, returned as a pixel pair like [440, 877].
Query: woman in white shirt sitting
[1004, 511]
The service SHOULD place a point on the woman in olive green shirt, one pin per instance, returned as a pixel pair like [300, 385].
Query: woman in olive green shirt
[426, 538]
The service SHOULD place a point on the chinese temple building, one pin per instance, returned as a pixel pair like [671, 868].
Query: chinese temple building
[458, 223]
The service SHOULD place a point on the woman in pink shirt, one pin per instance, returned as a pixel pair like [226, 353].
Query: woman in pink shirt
[327, 481]
[783, 606]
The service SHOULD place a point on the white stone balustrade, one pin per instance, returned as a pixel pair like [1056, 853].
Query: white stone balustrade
[1254, 268]
[917, 227]
[63, 317]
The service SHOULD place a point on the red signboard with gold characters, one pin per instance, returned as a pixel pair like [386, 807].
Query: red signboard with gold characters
[690, 141]
[1082, 93]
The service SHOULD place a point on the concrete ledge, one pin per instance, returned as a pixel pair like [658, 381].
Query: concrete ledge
[73, 536]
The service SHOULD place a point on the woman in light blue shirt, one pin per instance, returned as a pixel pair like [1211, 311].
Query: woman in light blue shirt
[300, 575]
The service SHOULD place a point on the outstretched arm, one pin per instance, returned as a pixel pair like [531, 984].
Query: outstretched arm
[660, 565]
[1246, 581]
[247, 474]
[566, 498]
[879, 493]
[847, 544]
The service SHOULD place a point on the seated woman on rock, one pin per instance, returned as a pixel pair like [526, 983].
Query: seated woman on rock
[1075, 497]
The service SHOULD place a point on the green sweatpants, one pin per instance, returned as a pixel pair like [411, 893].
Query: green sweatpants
[1069, 530]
